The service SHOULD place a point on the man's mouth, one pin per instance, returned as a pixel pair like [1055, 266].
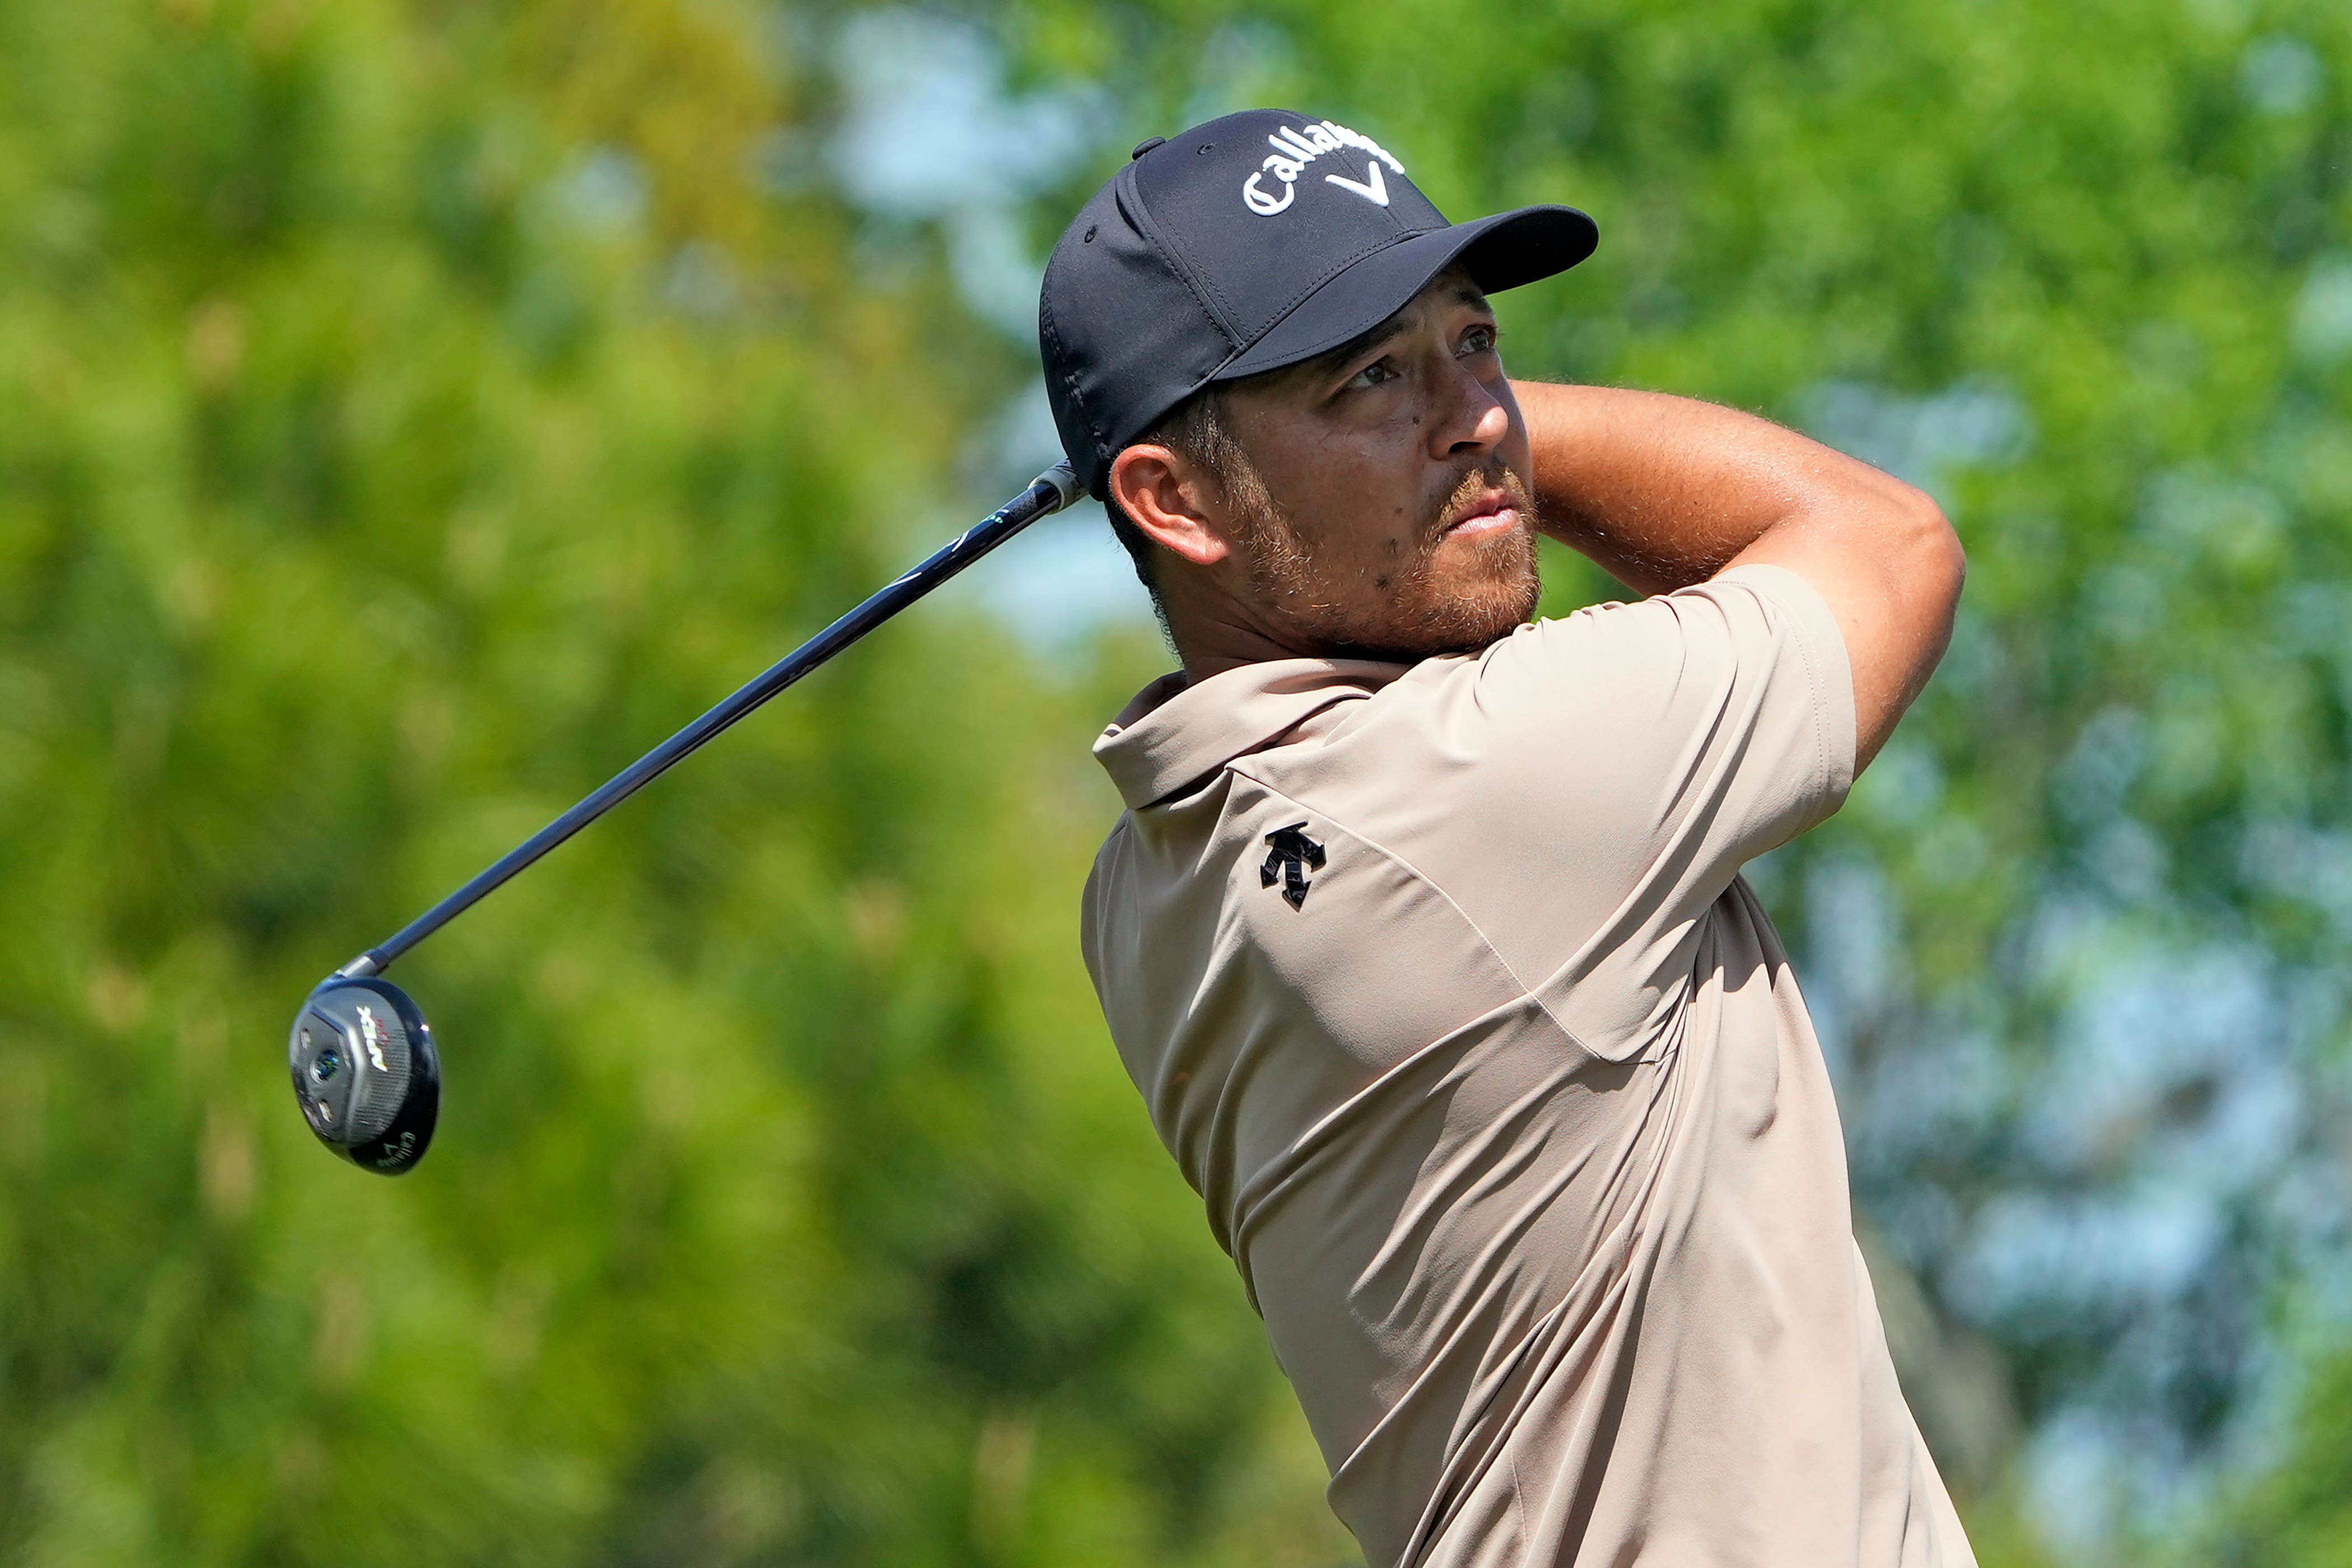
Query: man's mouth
[1488, 502]
[1489, 513]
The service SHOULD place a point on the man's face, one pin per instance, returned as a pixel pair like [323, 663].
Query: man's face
[1389, 511]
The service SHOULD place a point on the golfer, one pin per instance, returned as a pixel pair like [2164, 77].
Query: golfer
[1424, 934]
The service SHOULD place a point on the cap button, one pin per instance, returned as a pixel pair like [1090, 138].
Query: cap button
[1146, 146]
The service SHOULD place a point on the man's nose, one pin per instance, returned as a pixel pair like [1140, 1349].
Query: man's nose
[1475, 422]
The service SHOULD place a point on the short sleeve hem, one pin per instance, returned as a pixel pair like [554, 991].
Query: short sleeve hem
[1822, 644]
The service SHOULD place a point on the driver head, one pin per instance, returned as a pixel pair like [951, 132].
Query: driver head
[365, 1073]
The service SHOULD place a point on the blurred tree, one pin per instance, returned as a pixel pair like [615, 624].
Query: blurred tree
[2300, 1514]
[2079, 943]
[408, 412]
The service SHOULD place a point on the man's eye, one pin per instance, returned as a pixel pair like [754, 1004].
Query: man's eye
[1479, 340]
[1378, 373]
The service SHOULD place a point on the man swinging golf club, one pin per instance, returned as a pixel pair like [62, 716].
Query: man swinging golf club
[1422, 934]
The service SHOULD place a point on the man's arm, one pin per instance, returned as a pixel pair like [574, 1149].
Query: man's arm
[1663, 492]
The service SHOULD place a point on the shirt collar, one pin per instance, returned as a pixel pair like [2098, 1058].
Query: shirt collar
[1177, 730]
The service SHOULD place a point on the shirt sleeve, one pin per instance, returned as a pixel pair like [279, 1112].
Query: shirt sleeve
[1613, 771]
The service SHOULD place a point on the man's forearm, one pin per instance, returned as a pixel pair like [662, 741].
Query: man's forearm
[1664, 492]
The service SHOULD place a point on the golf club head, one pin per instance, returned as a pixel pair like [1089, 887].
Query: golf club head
[365, 1073]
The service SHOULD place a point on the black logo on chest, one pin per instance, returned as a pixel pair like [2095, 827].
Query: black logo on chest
[1289, 855]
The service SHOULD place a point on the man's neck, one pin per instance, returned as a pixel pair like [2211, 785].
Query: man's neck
[1214, 633]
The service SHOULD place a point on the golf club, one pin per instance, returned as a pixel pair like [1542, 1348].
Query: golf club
[365, 1070]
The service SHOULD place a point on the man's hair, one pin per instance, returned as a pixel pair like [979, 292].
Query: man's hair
[1194, 431]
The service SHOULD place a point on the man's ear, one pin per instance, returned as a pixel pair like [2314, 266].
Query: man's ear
[1165, 495]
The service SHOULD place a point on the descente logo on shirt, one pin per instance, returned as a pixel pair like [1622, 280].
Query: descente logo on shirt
[1289, 855]
[1294, 150]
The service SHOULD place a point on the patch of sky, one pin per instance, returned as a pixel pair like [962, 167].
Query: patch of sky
[702, 282]
[2091, 1470]
[2070, 934]
[593, 203]
[1925, 440]
[994, 270]
[787, 161]
[2306, 449]
[1902, 787]
[2309, 864]
[2281, 76]
[929, 133]
[2129, 862]
[2312, 1208]
[1975, 659]
[600, 191]
[1244, 64]
[2123, 603]
[2323, 309]
[2107, 756]
[2169, 1146]
[1921, 1221]
[2172, 1061]
[2313, 616]
[2205, 730]
[1946, 1088]
[2314, 998]
[1767, 875]
[1951, 849]
[1856, 969]
[928, 125]
[2163, 1178]
[2071, 1255]
[2260, 1429]
[2201, 512]
[600, 194]
[1068, 581]
[1065, 579]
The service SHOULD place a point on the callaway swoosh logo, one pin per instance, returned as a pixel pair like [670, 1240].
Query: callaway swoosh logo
[1295, 147]
[1376, 192]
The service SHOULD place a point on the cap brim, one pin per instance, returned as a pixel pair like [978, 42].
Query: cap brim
[1502, 252]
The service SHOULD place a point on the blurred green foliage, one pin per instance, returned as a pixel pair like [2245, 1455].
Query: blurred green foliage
[410, 411]
[2299, 1515]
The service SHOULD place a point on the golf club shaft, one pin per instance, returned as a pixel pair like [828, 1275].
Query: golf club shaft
[1048, 492]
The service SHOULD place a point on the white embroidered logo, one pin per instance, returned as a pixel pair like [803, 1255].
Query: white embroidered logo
[1294, 150]
[1377, 192]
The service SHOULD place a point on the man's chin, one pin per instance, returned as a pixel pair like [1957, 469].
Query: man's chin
[1475, 634]
[1469, 621]
[1483, 613]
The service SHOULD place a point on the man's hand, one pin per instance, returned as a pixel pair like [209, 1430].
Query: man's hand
[1663, 492]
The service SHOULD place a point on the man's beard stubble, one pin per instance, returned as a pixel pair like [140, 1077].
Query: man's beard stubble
[1416, 617]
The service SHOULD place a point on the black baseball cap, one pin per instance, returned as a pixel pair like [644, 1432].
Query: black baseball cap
[1252, 242]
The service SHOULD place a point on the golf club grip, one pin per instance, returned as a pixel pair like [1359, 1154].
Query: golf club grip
[1049, 492]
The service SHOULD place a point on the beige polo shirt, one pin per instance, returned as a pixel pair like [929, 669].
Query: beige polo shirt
[1441, 984]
